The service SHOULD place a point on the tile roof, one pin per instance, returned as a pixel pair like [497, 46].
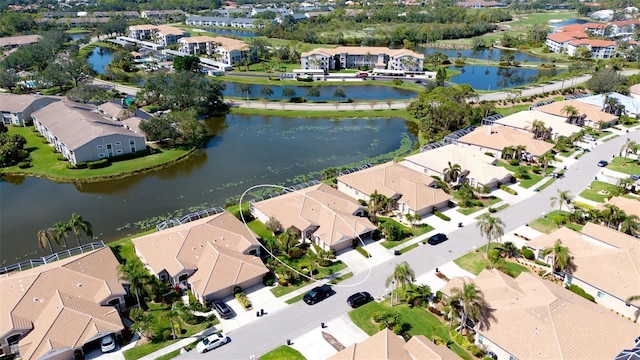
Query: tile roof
[180, 248]
[593, 43]
[322, 207]
[479, 165]
[362, 50]
[524, 119]
[537, 319]
[396, 181]
[499, 137]
[593, 113]
[224, 42]
[629, 206]
[15, 103]
[383, 345]
[424, 349]
[561, 37]
[77, 124]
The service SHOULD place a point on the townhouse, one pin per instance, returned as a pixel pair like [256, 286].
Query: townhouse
[225, 50]
[353, 57]
[159, 34]
[524, 120]
[579, 113]
[11, 42]
[16, 109]
[208, 21]
[494, 139]
[161, 14]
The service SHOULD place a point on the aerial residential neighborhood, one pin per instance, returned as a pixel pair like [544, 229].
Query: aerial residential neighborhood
[319, 180]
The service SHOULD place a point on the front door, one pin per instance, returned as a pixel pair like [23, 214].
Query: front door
[109, 150]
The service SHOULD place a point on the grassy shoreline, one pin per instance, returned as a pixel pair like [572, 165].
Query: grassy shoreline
[385, 113]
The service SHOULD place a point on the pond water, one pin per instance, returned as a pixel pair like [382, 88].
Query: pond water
[491, 78]
[568, 22]
[78, 36]
[485, 54]
[99, 58]
[234, 32]
[244, 151]
[355, 92]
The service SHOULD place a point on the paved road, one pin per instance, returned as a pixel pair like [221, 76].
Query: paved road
[274, 329]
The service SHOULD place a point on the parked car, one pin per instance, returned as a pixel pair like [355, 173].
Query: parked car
[603, 163]
[222, 309]
[588, 138]
[635, 177]
[212, 342]
[437, 239]
[316, 294]
[107, 343]
[358, 299]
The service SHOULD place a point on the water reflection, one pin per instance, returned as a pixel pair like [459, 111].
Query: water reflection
[99, 58]
[489, 77]
[485, 54]
[355, 92]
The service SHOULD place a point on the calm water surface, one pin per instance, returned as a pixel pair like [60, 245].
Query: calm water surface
[355, 92]
[491, 78]
[99, 58]
[485, 54]
[245, 151]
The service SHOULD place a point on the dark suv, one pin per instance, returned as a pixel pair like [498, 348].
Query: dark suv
[437, 239]
[316, 294]
[222, 309]
[359, 299]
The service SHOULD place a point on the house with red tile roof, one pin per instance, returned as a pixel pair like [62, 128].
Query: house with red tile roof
[568, 39]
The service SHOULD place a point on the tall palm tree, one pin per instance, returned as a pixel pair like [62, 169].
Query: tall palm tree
[45, 237]
[62, 229]
[472, 304]
[561, 257]
[492, 228]
[135, 276]
[403, 275]
[508, 152]
[79, 225]
[545, 159]
[377, 203]
[570, 112]
[630, 225]
[451, 173]
[419, 295]
[629, 147]
[563, 198]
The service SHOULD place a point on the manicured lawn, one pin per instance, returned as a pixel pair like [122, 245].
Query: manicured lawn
[598, 191]
[45, 162]
[476, 261]
[283, 353]
[421, 320]
[531, 179]
[259, 228]
[295, 299]
[415, 231]
[486, 202]
[409, 248]
[626, 166]
[322, 273]
[512, 110]
[547, 225]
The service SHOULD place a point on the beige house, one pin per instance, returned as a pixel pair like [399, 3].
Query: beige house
[353, 57]
[221, 49]
[478, 169]
[318, 213]
[607, 264]
[385, 345]
[588, 115]
[52, 310]
[80, 133]
[629, 206]
[533, 318]
[523, 120]
[16, 109]
[159, 34]
[114, 111]
[413, 192]
[211, 256]
[493, 139]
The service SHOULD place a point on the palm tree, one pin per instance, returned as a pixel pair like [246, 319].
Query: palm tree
[507, 152]
[629, 147]
[135, 276]
[44, 239]
[570, 112]
[630, 225]
[561, 257]
[77, 224]
[451, 173]
[472, 304]
[62, 229]
[402, 276]
[538, 128]
[518, 151]
[377, 202]
[545, 159]
[564, 197]
[492, 228]
[419, 295]
[509, 249]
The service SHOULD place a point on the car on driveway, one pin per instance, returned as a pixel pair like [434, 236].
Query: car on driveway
[211, 342]
[316, 294]
[222, 309]
[603, 163]
[358, 299]
[107, 343]
[437, 239]
[635, 177]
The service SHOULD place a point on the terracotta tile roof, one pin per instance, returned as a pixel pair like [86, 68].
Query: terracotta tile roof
[524, 119]
[593, 113]
[384, 345]
[77, 124]
[143, 27]
[499, 137]
[561, 37]
[362, 50]
[224, 42]
[180, 248]
[479, 165]
[396, 181]
[170, 30]
[582, 27]
[592, 42]
[534, 318]
[424, 349]
[629, 206]
[322, 207]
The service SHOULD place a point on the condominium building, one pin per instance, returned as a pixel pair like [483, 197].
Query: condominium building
[353, 57]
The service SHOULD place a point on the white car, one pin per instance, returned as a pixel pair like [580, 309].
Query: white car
[107, 344]
[211, 342]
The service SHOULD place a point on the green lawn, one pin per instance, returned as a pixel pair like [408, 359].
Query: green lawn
[531, 178]
[259, 228]
[598, 191]
[512, 110]
[625, 166]
[421, 320]
[547, 225]
[283, 353]
[45, 162]
[322, 273]
[486, 202]
[476, 261]
[409, 248]
[415, 231]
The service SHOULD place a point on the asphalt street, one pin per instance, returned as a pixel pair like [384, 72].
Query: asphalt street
[274, 329]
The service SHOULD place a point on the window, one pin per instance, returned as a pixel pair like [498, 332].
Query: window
[569, 279]
[101, 155]
[512, 357]
[480, 339]
[118, 151]
[601, 295]
[99, 147]
[117, 143]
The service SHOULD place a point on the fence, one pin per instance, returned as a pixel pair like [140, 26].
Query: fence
[189, 217]
[64, 254]
[286, 191]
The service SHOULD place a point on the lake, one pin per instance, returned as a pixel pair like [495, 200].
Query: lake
[244, 151]
[569, 22]
[484, 54]
[99, 58]
[355, 92]
[234, 32]
[482, 77]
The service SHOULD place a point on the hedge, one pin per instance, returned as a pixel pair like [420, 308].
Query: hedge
[362, 251]
[98, 164]
[243, 300]
[24, 164]
[442, 216]
[508, 189]
[528, 254]
[580, 291]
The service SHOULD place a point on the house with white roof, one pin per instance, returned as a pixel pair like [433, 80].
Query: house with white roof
[630, 104]
[16, 109]
[607, 264]
[353, 57]
[318, 213]
[495, 138]
[523, 120]
[478, 169]
[532, 318]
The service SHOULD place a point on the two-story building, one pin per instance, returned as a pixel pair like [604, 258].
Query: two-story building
[159, 34]
[16, 109]
[353, 57]
[225, 50]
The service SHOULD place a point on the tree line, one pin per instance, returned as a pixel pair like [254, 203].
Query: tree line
[59, 232]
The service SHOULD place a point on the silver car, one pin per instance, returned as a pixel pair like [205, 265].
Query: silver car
[211, 342]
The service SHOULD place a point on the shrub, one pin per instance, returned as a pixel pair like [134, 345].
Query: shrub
[527, 254]
[61, 158]
[541, 263]
[476, 350]
[508, 189]
[296, 253]
[98, 164]
[377, 316]
[514, 162]
[268, 279]
[492, 210]
[243, 300]
[580, 291]
[502, 266]
[494, 255]
[81, 165]
[24, 164]
[442, 216]
[362, 251]
[397, 82]
[237, 290]
[325, 262]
